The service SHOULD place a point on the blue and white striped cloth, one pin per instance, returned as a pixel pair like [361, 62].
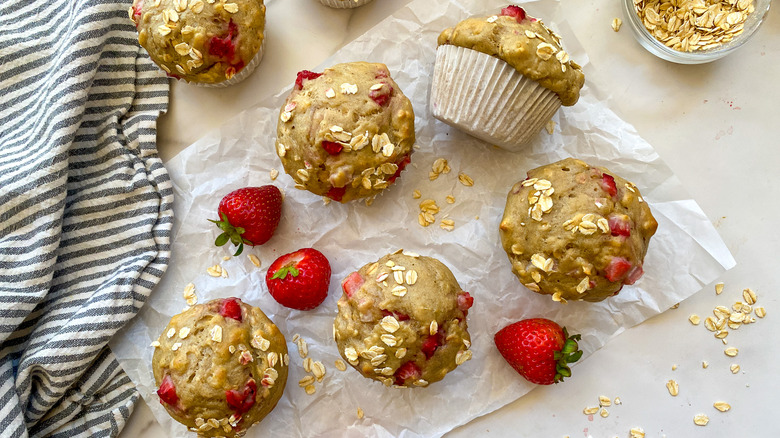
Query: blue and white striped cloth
[85, 211]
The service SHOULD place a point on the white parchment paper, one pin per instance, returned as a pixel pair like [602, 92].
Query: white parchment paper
[684, 255]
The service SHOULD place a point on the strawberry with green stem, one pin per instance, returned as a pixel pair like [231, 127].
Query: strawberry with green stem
[539, 349]
[299, 280]
[248, 216]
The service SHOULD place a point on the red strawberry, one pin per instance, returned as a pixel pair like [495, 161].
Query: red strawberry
[137, 6]
[407, 371]
[397, 315]
[431, 343]
[634, 275]
[539, 349]
[608, 184]
[381, 96]
[465, 301]
[230, 308]
[305, 75]
[167, 392]
[249, 216]
[352, 283]
[332, 147]
[225, 47]
[242, 401]
[514, 11]
[617, 269]
[336, 193]
[619, 225]
[299, 280]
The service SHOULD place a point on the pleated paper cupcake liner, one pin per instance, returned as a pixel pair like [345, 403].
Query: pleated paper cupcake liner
[488, 99]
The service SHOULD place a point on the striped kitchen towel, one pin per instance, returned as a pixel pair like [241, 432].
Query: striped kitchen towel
[85, 211]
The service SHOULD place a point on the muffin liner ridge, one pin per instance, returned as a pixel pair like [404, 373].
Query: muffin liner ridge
[344, 4]
[487, 98]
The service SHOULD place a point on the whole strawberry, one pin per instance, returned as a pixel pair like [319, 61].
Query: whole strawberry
[539, 349]
[249, 216]
[299, 280]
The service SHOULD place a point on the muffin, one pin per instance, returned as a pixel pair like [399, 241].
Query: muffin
[220, 367]
[201, 41]
[402, 320]
[501, 78]
[346, 133]
[576, 232]
[343, 4]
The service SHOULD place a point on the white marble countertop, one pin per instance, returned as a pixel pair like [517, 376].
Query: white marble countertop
[716, 126]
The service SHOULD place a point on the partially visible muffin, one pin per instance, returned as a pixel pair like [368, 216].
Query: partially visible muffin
[346, 133]
[576, 232]
[344, 4]
[402, 320]
[206, 42]
[220, 367]
[501, 78]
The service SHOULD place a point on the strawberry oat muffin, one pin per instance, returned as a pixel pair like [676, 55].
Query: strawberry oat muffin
[221, 367]
[215, 43]
[501, 78]
[402, 320]
[346, 133]
[576, 232]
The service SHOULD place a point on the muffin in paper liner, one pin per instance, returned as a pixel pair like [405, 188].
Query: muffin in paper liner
[487, 98]
[213, 44]
[344, 4]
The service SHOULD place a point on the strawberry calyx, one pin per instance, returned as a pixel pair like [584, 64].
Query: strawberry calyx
[286, 270]
[570, 353]
[230, 234]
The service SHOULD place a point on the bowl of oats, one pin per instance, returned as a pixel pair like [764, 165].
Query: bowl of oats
[694, 31]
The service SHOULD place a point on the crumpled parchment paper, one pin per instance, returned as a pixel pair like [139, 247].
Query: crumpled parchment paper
[684, 255]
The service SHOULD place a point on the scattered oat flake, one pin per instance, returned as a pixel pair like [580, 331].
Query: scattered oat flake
[360, 413]
[215, 271]
[701, 420]
[694, 319]
[734, 368]
[604, 413]
[340, 365]
[465, 179]
[618, 401]
[673, 388]
[450, 199]
[604, 401]
[719, 288]
[637, 432]
[721, 406]
[704, 364]
[590, 410]
[310, 389]
[760, 312]
[255, 261]
[189, 294]
[616, 23]
[550, 126]
[731, 351]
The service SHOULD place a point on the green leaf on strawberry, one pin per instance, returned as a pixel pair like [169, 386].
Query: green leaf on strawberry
[282, 273]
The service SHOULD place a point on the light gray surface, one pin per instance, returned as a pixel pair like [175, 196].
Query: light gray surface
[715, 125]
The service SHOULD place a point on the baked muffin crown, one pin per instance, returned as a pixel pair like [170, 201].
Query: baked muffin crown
[346, 133]
[402, 321]
[200, 40]
[576, 232]
[220, 367]
[525, 43]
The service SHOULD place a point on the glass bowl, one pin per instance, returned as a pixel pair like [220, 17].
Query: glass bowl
[659, 49]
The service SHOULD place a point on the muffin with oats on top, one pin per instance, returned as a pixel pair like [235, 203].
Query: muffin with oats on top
[501, 78]
[576, 232]
[206, 42]
[220, 367]
[402, 320]
[346, 133]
